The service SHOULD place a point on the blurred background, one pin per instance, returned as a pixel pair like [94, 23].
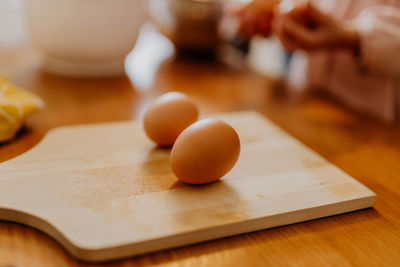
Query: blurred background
[194, 30]
[80, 55]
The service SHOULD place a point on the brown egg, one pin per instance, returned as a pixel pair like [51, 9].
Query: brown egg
[168, 116]
[205, 151]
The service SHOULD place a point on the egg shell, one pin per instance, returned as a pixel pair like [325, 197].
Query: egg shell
[205, 151]
[168, 116]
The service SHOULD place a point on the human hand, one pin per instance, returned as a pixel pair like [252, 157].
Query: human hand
[255, 18]
[303, 26]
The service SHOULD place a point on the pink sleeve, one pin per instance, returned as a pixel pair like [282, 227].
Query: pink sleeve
[379, 30]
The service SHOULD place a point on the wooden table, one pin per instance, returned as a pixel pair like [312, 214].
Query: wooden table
[367, 150]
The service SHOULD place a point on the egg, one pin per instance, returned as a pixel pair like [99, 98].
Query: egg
[168, 116]
[205, 151]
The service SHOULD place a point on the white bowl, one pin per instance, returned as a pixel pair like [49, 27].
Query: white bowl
[89, 38]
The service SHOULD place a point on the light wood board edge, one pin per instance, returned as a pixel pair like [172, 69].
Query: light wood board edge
[129, 250]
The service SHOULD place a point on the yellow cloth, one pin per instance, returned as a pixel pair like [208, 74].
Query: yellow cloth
[15, 105]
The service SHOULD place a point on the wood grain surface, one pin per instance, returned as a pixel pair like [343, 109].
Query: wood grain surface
[365, 149]
[105, 191]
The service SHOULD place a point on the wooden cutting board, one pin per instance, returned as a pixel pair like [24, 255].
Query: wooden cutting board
[104, 191]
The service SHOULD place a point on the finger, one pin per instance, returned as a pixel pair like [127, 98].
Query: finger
[247, 26]
[302, 35]
[297, 10]
[277, 27]
[317, 15]
[263, 5]
[285, 39]
[288, 43]
[263, 24]
[292, 7]
[276, 11]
